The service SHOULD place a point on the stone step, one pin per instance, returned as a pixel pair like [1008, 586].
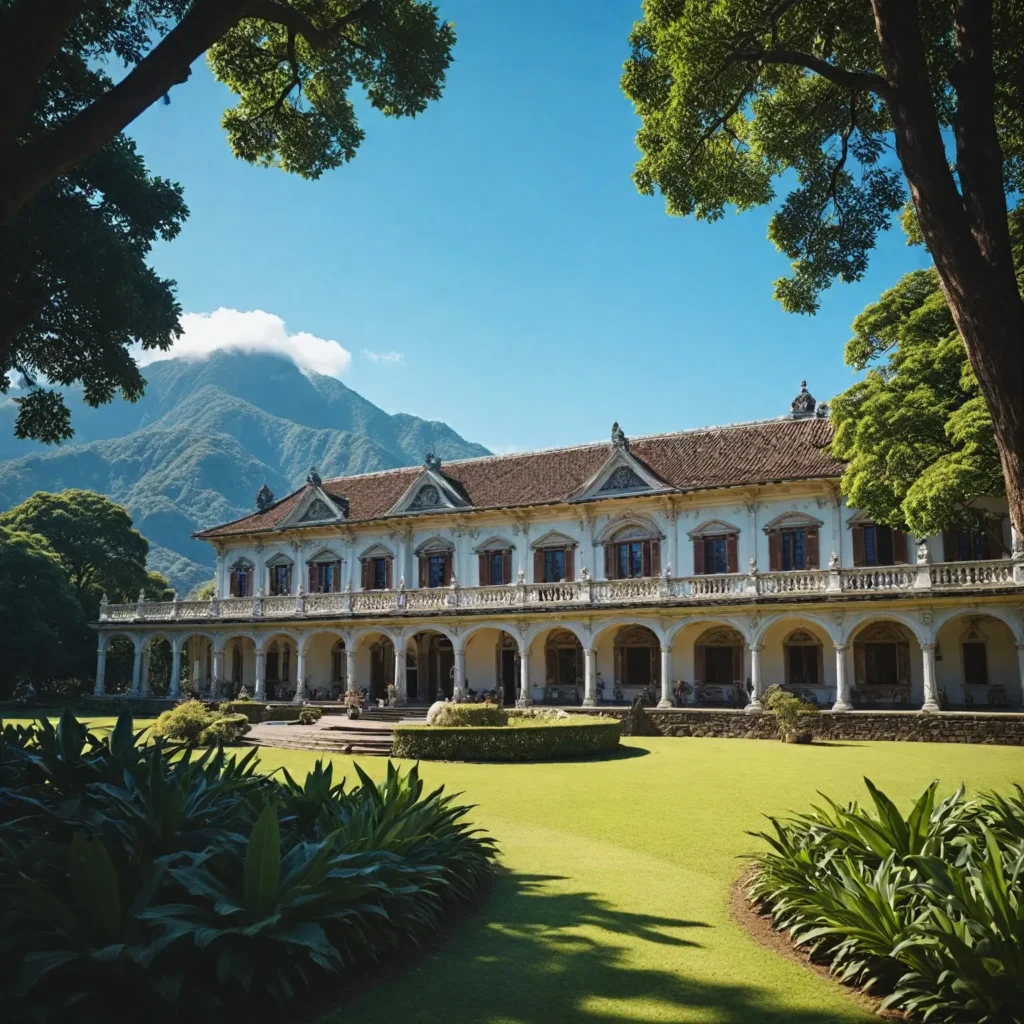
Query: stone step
[330, 746]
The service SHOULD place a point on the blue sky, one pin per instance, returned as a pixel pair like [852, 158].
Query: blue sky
[497, 242]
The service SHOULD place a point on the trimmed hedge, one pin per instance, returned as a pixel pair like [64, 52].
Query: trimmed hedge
[252, 709]
[552, 742]
[471, 715]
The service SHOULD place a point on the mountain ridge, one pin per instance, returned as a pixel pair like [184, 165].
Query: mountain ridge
[203, 439]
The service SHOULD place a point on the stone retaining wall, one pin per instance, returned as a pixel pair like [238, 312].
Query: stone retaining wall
[1004, 729]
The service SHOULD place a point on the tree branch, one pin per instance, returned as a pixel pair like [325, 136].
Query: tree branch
[859, 81]
[297, 23]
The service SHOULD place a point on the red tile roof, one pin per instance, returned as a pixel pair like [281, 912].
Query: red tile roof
[747, 453]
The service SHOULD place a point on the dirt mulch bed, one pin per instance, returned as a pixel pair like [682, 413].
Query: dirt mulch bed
[756, 921]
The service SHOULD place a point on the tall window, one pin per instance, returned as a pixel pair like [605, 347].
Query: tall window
[716, 551]
[437, 570]
[878, 545]
[794, 549]
[630, 559]
[280, 579]
[803, 658]
[716, 555]
[325, 577]
[497, 567]
[964, 545]
[379, 573]
[975, 663]
[554, 565]
[241, 580]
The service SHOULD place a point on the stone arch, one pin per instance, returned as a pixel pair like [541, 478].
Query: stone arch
[106, 635]
[883, 666]
[921, 633]
[1005, 615]
[733, 622]
[507, 627]
[636, 649]
[646, 528]
[719, 664]
[977, 656]
[537, 628]
[830, 630]
[359, 635]
[620, 621]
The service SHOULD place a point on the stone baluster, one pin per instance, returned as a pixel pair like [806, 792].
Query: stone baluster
[843, 702]
[666, 678]
[101, 668]
[931, 693]
[174, 683]
[589, 677]
[754, 707]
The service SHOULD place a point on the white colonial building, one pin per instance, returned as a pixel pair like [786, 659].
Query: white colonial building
[699, 566]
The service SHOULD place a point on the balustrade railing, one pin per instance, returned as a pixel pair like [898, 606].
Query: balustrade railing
[939, 576]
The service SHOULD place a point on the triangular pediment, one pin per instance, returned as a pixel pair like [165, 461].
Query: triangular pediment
[713, 528]
[315, 508]
[793, 521]
[555, 539]
[429, 492]
[621, 474]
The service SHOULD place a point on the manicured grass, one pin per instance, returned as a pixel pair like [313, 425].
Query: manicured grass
[613, 906]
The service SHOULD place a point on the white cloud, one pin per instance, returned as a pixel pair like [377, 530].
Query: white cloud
[394, 358]
[253, 331]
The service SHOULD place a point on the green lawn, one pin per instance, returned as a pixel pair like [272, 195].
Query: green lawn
[614, 905]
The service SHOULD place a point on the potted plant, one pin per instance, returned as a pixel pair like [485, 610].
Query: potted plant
[353, 702]
[790, 713]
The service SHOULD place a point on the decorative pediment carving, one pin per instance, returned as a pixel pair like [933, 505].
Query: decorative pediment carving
[720, 636]
[623, 478]
[554, 539]
[427, 497]
[621, 473]
[316, 511]
[793, 521]
[713, 528]
[635, 636]
[316, 506]
[429, 492]
[434, 544]
[495, 543]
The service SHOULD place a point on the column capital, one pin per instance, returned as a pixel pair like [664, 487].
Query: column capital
[929, 646]
[841, 647]
[756, 648]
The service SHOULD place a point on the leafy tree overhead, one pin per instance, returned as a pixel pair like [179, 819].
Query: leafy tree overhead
[43, 623]
[849, 107]
[292, 64]
[98, 548]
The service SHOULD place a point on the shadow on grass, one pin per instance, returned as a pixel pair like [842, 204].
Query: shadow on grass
[536, 956]
[620, 753]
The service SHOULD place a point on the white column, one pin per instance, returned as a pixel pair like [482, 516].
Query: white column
[666, 678]
[350, 667]
[101, 669]
[174, 683]
[1020, 670]
[755, 680]
[400, 672]
[931, 693]
[217, 668]
[842, 682]
[261, 675]
[300, 674]
[145, 672]
[137, 671]
[525, 700]
[589, 677]
[460, 672]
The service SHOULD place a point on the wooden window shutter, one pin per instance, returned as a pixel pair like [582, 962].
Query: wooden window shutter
[950, 548]
[447, 569]
[774, 551]
[506, 567]
[858, 545]
[609, 561]
[645, 558]
[538, 566]
[698, 557]
[859, 665]
[364, 582]
[811, 548]
[903, 664]
[485, 569]
[288, 579]
[423, 570]
[312, 579]
[233, 586]
[387, 575]
[737, 664]
[337, 575]
[732, 555]
[570, 564]
[655, 557]
[698, 664]
[899, 547]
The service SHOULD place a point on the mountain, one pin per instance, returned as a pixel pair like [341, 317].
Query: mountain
[195, 449]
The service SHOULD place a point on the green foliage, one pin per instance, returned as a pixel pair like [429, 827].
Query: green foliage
[252, 709]
[788, 709]
[99, 549]
[310, 715]
[43, 625]
[526, 740]
[205, 592]
[194, 888]
[916, 433]
[193, 723]
[724, 124]
[472, 715]
[928, 908]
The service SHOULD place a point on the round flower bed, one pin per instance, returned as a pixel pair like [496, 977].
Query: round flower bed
[522, 739]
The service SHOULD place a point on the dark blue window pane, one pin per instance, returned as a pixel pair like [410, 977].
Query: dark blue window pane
[497, 567]
[715, 555]
[436, 567]
[870, 546]
[793, 549]
[554, 565]
[380, 573]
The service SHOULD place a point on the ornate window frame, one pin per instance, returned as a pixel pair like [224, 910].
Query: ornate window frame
[974, 634]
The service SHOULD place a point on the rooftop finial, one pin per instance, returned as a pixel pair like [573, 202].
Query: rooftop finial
[804, 403]
[264, 498]
[619, 439]
[431, 461]
[313, 477]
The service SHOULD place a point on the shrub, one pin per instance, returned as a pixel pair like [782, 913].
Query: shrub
[928, 908]
[310, 715]
[788, 710]
[470, 715]
[252, 709]
[280, 713]
[194, 887]
[523, 741]
[192, 722]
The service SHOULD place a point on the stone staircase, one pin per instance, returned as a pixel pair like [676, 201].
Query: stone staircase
[331, 739]
[404, 713]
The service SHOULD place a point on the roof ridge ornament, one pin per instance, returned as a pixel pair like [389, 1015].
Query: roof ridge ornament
[431, 461]
[619, 439]
[264, 498]
[313, 477]
[804, 404]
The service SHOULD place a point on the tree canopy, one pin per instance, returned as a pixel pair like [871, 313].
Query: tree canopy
[98, 548]
[44, 625]
[839, 114]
